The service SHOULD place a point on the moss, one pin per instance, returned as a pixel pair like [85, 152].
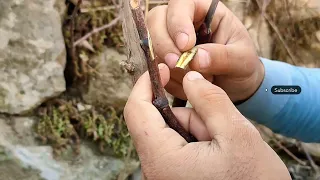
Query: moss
[63, 126]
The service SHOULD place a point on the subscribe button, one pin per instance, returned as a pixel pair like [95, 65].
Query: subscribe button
[286, 90]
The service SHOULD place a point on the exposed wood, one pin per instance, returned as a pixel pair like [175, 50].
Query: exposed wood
[136, 62]
[139, 48]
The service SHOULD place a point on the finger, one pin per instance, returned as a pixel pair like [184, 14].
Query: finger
[191, 122]
[143, 86]
[183, 15]
[212, 104]
[226, 27]
[175, 89]
[217, 59]
[177, 74]
[180, 18]
[164, 74]
[140, 100]
[162, 43]
[148, 129]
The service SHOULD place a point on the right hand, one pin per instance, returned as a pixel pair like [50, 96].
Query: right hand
[229, 146]
[229, 61]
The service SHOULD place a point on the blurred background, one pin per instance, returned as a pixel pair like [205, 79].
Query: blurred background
[64, 82]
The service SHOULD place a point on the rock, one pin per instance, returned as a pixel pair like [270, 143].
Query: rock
[110, 85]
[22, 158]
[60, 6]
[137, 175]
[32, 54]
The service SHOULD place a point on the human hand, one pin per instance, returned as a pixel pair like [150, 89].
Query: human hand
[230, 61]
[229, 146]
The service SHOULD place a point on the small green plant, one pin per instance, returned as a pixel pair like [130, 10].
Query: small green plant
[54, 128]
[63, 126]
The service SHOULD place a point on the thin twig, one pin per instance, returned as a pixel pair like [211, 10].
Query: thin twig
[288, 152]
[312, 163]
[115, 4]
[96, 30]
[274, 139]
[76, 9]
[72, 47]
[276, 30]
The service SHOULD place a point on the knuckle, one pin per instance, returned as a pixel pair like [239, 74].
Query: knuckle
[213, 93]
[173, 25]
[247, 132]
[155, 12]
[223, 60]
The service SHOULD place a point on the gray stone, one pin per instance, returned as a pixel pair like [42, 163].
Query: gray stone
[22, 158]
[137, 175]
[32, 54]
[60, 6]
[110, 85]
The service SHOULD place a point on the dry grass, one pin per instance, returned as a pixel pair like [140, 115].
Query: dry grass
[293, 28]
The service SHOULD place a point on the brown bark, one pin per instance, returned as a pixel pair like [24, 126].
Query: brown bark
[140, 59]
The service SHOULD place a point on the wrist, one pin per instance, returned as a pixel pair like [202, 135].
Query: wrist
[259, 76]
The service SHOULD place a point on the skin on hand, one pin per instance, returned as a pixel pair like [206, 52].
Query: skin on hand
[230, 61]
[229, 146]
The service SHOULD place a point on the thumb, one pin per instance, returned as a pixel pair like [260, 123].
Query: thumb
[212, 105]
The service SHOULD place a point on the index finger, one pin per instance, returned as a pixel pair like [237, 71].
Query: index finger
[184, 15]
[145, 124]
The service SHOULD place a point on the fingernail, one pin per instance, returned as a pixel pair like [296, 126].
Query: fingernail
[182, 40]
[161, 66]
[171, 60]
[204, 59]
[193, 75]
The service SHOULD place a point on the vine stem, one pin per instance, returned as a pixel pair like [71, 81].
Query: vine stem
[160, 100]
